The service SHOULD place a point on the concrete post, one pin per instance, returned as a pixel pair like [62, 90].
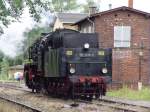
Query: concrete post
[139, 86]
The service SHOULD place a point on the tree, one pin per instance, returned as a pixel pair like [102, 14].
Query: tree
[13, 9]
[88, 4]
[33, 34]
[30, 37]
[64, 5]
[1, 58]
[10, 60]
[4, 68]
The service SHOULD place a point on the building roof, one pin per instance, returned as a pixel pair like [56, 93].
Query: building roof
[123, 8]
[70, 17]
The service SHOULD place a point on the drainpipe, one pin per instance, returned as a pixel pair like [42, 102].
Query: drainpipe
[93, 24]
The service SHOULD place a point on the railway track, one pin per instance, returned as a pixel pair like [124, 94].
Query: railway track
[12, 85]
[114, 105]
[123, 106]
[117, 106]
[23, 105]
[5, 97]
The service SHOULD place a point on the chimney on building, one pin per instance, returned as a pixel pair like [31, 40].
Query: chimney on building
[92, 10]
[130, 3]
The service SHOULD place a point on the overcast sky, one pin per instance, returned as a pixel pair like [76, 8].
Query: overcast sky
[14, 33]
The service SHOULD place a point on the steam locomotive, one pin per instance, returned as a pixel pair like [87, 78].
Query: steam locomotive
[68, 63]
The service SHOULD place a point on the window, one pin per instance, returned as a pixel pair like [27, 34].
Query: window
[122, 36]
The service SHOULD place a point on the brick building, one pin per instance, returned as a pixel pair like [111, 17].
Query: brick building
[127, 32]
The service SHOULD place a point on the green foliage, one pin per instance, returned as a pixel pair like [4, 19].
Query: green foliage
[64, 5]
[5, 62]
[4, 69]
[88, 4]
[13, 8]
[10, 60]
[1, 58]
[18, 60]
[33, 34]
[127, 93]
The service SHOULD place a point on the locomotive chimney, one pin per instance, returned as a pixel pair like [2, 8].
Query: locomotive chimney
[130, 3]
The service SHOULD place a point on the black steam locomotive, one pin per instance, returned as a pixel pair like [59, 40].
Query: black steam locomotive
[68, 63]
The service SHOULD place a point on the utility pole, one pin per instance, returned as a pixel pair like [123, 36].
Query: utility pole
[140, 65]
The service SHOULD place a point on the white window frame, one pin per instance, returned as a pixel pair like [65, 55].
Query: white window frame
[122, 36]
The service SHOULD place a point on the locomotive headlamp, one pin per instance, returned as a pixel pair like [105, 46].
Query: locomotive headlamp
[86, 45]
[104, 70]
[72, 70]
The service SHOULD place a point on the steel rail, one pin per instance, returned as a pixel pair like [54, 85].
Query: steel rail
[27, 106]
[123, 103]
[115, 105]
[9, 99]
[12, 86]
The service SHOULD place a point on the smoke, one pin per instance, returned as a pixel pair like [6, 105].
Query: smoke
[13, 36]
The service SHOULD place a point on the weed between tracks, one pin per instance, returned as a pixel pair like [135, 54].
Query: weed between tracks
[127, 93]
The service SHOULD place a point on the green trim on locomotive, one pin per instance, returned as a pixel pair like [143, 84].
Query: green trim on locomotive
[51, 63]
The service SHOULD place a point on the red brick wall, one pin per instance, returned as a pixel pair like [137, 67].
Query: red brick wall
[126, 61]
[125, 65]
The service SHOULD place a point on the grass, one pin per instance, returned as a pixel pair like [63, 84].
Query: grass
[3, 77]
[131, 94]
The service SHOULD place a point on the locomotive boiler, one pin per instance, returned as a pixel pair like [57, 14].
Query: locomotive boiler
[68, 63]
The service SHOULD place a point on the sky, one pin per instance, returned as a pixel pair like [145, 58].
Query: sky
[11, 39]
[143, 5]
